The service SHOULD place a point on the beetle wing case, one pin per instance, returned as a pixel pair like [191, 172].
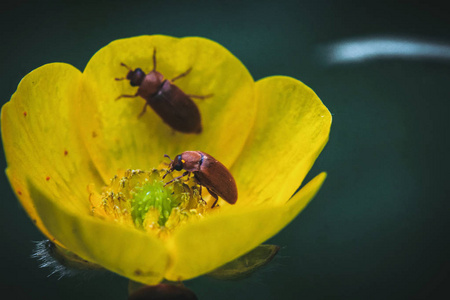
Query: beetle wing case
[215, 176]
[176, 109]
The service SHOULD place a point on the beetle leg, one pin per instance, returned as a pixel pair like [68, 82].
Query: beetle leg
[184, 174]
[182, 74]
[168, 172]
[200, 96]
[127, 96]
[143, 110]
[200, 194]
[214, 195]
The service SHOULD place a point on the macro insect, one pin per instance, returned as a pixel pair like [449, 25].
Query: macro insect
[173, 106]
[208, 172]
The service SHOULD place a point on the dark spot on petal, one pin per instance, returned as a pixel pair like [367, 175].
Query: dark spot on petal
[139, 272]
[24, 113]
[47, 178]
[19, 193]
[94, 134]
[66, 152]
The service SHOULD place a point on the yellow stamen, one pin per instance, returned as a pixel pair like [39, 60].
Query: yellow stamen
[140, 198]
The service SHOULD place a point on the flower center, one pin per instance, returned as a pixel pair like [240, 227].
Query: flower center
[141, 199]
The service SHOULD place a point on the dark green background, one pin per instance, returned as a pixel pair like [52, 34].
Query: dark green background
[378, 229]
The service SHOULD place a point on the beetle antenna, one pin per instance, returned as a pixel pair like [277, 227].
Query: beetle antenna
[171, 161]
[170, 170]
[124, 65]
[154, 59]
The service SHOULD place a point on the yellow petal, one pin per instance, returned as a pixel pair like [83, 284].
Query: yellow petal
[291, 128]
[118, 139]
[21, 191]
[40, 138]
[246, 264]
[200, 247]
[121, 249]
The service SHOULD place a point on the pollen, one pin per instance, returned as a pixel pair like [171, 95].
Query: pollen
[141, 199]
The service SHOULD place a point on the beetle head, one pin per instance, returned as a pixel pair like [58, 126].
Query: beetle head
[136, 77]
[177, 163]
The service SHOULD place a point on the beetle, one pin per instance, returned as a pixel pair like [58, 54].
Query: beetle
[173, 106]
[208, 172]
[162, 291]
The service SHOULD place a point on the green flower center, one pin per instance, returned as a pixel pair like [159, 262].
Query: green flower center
[143, 199]
[153, 195]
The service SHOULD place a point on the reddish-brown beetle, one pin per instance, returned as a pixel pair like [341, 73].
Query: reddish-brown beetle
[162, 291]
[173, 106]
[208, 172]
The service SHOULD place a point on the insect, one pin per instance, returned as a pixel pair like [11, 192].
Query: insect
[173, 106]
[208, 172]
[162, 291]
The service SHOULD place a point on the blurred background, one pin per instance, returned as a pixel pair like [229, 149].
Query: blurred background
[379, 227]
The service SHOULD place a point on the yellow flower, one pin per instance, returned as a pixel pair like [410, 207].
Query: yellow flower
[65, 138]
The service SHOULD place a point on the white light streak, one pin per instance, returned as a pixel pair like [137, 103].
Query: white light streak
[358, 50]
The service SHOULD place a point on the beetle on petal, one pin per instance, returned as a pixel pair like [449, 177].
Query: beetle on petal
[173, 106]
